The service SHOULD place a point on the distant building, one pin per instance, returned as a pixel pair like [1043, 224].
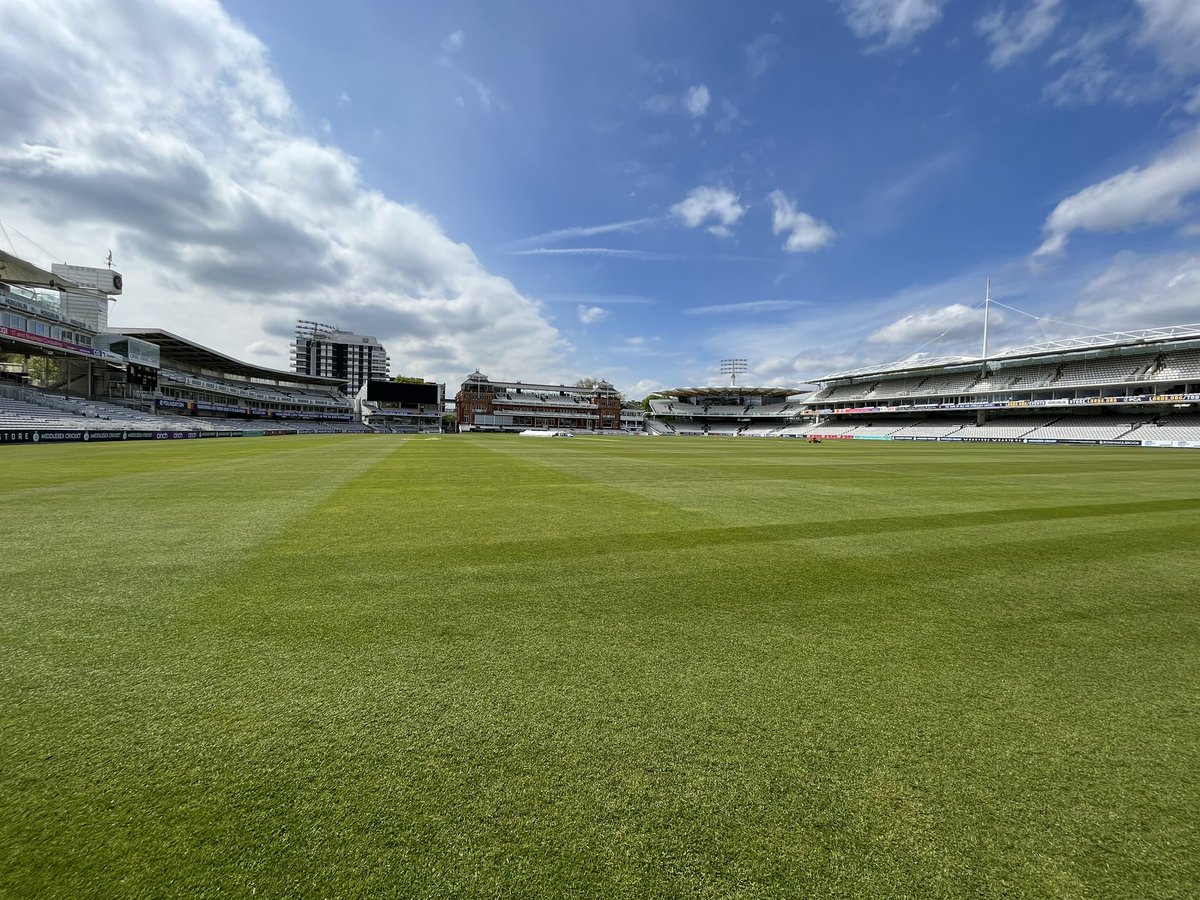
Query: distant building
[485, 405]
[329, 352]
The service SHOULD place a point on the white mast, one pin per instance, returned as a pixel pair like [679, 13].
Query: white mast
[987, 303]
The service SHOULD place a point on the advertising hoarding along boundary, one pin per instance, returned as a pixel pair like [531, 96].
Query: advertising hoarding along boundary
[46, 436]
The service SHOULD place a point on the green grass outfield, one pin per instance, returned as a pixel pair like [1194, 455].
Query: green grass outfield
[489, 666]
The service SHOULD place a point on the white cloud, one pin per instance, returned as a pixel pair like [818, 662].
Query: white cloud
[454, 41]
[696, 100]
[590, 314]
[1097, 68]
[761, 54]
[751, 307]
[266, 348]
[804, 233]
[897, 22]
[1012, 36]
[1142, 291]
[1191, 103]
[643, 387]
[710, 204]
[229, 220]
[343, 99]
[1172, 29]
[1139, 196]
[951, 321]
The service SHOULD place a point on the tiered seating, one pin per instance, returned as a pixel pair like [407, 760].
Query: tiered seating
[959, 383]
[1088, 428]
[1102, 371]
[21, 414]
[1007, 427]
[934, 428]
[1169, 428]
[832, 427]
[846, 392]
[1022, 377]
[1183, 366]
[898, 387]
[874, 429]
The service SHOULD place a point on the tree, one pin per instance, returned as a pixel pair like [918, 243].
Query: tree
[586, 383]
[407, 379]
[648, 398]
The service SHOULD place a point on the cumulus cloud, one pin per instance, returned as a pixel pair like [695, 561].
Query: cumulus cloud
[897, 22]
[201, 175]
[590, 314]
[804, 233]
[710, 204]
[1139, 196]
[1013, 35]
[696, 100]
[454, 41]
[953, 321]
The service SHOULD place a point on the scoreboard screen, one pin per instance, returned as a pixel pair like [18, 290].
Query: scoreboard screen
[401, 393]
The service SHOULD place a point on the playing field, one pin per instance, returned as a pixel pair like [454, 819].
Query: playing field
[489, 666]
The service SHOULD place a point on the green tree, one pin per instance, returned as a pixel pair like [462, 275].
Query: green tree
[407, 379]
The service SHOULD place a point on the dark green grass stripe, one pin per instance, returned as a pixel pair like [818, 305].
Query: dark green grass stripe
[605, 545]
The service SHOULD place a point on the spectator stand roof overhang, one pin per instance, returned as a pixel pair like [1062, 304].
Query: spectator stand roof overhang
[688, 393]
[1146, 340]
[175, 349]
[15, 270]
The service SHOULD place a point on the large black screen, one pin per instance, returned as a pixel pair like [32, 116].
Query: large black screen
[404, 394]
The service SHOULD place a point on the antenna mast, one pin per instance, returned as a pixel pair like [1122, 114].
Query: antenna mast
[987, 304]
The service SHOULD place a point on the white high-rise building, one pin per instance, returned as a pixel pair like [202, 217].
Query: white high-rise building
[328, 351]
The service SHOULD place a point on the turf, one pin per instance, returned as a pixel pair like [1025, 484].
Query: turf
[487, 666]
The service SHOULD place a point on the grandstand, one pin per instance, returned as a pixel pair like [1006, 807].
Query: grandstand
[63, 368]
[1126, 387]
[723, 411]
[485, 405]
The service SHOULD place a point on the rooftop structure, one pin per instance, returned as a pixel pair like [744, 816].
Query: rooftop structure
[327, 351]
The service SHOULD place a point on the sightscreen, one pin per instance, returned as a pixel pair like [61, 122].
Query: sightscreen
[405, 394]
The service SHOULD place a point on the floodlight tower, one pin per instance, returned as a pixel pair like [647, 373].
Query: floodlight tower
[733, 368]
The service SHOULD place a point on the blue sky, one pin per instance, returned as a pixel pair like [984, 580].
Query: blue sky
[628, 190]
